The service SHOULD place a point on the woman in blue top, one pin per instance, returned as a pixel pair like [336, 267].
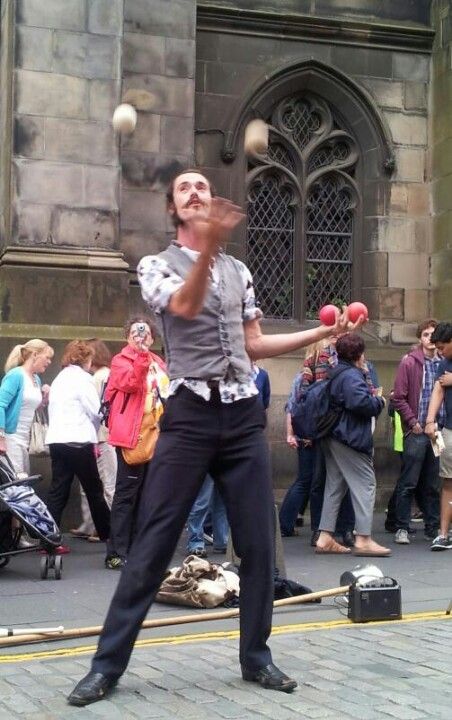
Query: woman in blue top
[20, 395]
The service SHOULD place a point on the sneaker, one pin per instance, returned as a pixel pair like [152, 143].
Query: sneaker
[401, 537]
[441, 543]
[114, 563]
[93, 538]
[219, 550]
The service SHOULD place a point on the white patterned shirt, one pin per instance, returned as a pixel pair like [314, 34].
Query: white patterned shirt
[159, 282]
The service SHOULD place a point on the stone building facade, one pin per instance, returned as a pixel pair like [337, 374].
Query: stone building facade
[357, 94]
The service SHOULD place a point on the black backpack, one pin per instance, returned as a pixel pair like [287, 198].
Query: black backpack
[314, 414]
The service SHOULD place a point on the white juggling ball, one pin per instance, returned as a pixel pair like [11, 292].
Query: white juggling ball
[256, 138]
[124, 119]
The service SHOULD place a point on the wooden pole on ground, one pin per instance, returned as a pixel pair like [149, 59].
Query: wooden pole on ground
[165, 622]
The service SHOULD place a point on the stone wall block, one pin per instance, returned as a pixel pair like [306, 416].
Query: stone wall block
[416, 305]
[31, 224]
[104, 96]
[410, 270]
[29, 136]
[410, 164]
[173, 96]
[49, 94]
[418, 196]
[85, 228]
[146, 137]
[89, 56]
[415, 96]
[396, 234]
[143, 54]
[384, 303]
[375, 269]
[136, 244]
[399, 199]
[155, 18]
[212, 110]
[33, 48]
[387, 93]
[407, 129]
[153, 172]
[143, 211]
[105, 17]
[180, 57]
[231, 78]
[54, 295]
[362, 61]
[67, 15]
[76, 141]
[177, 134]
[101, 187]
[39, 181]
[410, 66]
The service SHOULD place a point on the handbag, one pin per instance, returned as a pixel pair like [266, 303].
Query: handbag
[39, 427]
[147, 438]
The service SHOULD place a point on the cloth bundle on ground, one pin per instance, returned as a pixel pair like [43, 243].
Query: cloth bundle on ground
[198, 583]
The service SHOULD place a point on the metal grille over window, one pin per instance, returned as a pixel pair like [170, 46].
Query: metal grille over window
[302, 201]
[270, 245]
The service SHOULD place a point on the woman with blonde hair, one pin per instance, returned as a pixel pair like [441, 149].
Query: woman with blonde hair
[73, 423]
[21, 394]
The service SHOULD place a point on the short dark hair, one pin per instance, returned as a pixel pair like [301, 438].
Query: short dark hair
[442, 333]
[350, 347]
[430, 322]
[77, 352]
[170, 191]
[139, 319]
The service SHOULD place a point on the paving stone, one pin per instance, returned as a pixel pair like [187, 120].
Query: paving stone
[402, 713]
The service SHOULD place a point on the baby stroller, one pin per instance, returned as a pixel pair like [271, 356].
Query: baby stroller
[19, 500]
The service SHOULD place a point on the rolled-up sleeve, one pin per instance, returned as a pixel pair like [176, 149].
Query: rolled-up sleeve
[251, 311]
[158, 282]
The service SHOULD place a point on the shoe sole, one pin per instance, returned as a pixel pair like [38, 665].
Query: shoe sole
[287, 687]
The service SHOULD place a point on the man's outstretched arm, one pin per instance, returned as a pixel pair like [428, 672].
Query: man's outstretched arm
[259, 346]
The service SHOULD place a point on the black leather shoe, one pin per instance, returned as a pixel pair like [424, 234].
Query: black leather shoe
[91, 688]
[270, 677]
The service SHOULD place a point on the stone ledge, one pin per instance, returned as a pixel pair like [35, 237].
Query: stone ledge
[64, 257]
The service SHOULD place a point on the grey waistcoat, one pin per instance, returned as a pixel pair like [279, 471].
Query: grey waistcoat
[212, 344]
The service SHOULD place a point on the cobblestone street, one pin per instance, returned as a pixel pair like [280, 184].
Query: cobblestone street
[374, 672]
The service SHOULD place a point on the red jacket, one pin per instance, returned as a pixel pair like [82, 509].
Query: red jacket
[408, 386]
[126, 392]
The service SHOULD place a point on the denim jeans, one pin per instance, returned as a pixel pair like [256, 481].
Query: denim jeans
[419, 468]
[208, 499]
[297, 496]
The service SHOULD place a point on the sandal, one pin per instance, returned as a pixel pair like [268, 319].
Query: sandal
[332, 548]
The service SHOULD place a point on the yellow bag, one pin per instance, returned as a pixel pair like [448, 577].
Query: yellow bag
[147, 438]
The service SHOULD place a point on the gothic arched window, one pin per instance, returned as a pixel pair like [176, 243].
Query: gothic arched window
[302, 203]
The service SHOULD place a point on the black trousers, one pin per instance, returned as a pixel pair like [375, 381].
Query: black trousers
[129, 482]
[68, 462]
[197, 437]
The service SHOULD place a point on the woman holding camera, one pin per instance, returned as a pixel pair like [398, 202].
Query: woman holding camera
[134, 392]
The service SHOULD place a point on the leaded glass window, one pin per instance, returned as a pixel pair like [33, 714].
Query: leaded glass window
[302, 204]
